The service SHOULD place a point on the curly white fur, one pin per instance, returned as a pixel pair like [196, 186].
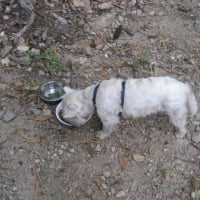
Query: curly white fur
[142, 97]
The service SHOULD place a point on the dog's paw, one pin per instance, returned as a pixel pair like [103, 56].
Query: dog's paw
[101, 135]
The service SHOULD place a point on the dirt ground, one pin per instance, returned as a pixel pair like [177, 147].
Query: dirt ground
[81, 43]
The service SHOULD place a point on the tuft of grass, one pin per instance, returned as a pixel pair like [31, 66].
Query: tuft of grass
[185, 70]
[143, 60]
[47, 56]
[164, 172]
[175, 5]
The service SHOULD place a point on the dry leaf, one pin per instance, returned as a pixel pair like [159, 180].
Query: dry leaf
[98, 183]
[13, 94]
[195, 182]
[28, 139]
[42, 118]
[98, 196]
[174, 197]
[123, 161]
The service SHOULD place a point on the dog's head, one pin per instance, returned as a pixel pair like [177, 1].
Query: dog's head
[76, 109]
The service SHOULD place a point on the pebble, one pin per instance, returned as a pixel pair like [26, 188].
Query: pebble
[23, 48]
[35, 51]
[112, 190]
[105, 6]
[196, 138]
[72, 150]
[37, 161]
[87, 51]
[138, 157]
[60, 152]
[9, 116]
[35, 111]
[120, 194]
[4, 52]
[152, 13]
[47, 112]
[3, 86]
[106, 174]
[98, 148]
[5, 61]
[14, 189]
[113, 149]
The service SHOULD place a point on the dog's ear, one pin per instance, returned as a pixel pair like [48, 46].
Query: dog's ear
[67, 90]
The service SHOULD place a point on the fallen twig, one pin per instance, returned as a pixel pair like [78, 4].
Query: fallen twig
[37, 181]
[25, 138]
[24, 29]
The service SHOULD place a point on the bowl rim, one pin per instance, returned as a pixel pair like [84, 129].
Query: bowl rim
[46, 83]
[58, 108]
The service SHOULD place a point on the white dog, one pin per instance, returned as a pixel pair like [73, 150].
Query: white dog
[131, 98]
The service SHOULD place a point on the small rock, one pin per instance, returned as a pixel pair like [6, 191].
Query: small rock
[37, 161]
[60, 152]
[113, 149]
[5, 61]
[104, 186]
[193, 194]
[72, 150]
[44, 36]
[152, 13]
[83, 60]
[47, 112]
[120, 194]
[105, 6]
[22, 60]
[82, 3]
[112, 191]
[9, 116]
[3, 86]
[87, 51]
[98, 148]
[138, 157]
[23, 48]
[60, 19]
[14, 189]
[106, 174]
[41, 72]
[7, 9]
[196, 138]
[36, 111]
[35, 51]
[4, 52]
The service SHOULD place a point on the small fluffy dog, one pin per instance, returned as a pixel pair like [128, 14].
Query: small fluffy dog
[130, 98]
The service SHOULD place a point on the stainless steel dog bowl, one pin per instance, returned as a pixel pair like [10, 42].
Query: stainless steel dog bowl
[59, 114]
[51, 92]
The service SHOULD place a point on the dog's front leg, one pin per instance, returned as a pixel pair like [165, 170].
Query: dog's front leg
[108, 127]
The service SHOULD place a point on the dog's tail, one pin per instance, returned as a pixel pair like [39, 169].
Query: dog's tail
[192, 103]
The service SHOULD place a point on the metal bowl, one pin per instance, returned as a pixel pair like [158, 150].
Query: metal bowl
[58, 115]
[51, 92]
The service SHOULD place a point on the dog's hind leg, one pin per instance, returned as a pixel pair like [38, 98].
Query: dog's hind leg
[179, 119]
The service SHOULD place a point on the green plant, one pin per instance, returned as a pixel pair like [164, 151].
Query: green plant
[180, 184]
[143, 60]
[49, 57]
[164, 171]
[175, 5]
[185, 70]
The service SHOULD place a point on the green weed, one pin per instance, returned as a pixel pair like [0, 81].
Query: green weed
[49, 57]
